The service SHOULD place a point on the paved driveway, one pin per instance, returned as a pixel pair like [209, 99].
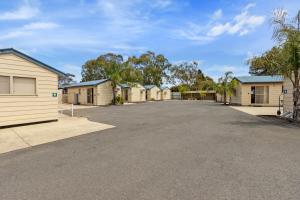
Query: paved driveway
[163, 150]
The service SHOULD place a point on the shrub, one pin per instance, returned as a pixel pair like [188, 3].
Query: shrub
[119, 100]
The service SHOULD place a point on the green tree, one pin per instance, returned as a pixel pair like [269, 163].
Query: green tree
[185, 73]
[283, 59]
[267, 63]
[188, 73]
[226, 86]
[154, 67]
[110, 66]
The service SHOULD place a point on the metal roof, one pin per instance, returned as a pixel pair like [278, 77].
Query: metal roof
[124, 85]
[260, 79]
[88, 83]
[164, 88]
[30, 59]
[148, 87]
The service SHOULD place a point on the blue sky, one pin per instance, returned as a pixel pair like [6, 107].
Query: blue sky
[219, 34]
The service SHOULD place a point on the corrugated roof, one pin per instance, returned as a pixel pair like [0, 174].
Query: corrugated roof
[124, 85]
[260, 79]
[148, 87]
[164, 87]
[30, 59]
[88, 83]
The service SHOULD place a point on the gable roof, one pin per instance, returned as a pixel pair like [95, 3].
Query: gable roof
[124, 85]
[164, 88]
[30, 59]
[130, 85]
[259, 79]
[88, 83]
[149, 87]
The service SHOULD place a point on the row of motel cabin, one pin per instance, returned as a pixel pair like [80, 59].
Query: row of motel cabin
[100, 92]
[29, 90]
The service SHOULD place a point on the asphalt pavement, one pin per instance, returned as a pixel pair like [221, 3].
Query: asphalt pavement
[161, 150]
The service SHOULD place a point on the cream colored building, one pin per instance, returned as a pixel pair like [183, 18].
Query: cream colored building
[132, 92]
[98, 92]
[258, 90]
[288, 95]
[28, 89]
[165, 93]
[153, 93]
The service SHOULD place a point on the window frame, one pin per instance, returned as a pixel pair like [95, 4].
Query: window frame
[264, 95]
[9, 77]
[11, 85]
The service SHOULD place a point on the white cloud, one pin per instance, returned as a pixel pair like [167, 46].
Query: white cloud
[193, 32]
[241, 25]
[14, 34]
[28, 30]
[250, 5]
[40, 25]
[162, 4]
[217, 14]
[25, 11]
[219, 29]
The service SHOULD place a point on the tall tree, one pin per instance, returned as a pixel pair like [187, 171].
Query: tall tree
[226, 86]
[154, 67]
[285, 58]
[185, 73]
[110, 66]
[189, 74]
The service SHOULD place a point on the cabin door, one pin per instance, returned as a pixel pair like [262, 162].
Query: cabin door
[90, 95]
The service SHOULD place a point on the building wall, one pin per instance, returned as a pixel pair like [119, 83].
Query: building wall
[154, 94]
[82, 95]
[166, 94]
[137, 94]
[237, 96]
[288, 98]
[20, 109]
[60, 96]
[104, 95]
[243, 94]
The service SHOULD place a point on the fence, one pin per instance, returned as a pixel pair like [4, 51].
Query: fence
[176, 95]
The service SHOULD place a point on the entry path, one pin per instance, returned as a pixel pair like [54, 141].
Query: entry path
[161, 150]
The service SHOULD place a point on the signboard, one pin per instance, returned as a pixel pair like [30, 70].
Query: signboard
[54, 94]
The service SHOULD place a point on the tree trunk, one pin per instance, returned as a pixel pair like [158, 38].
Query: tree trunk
[225, 98]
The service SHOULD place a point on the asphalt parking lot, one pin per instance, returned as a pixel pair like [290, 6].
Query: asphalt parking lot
[161, 150]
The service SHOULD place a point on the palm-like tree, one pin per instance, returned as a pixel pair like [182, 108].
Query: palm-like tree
[226, 86]
[287, 33]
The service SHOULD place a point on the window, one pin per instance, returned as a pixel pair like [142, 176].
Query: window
[24, 86]
[260, 94]
[4, 84]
